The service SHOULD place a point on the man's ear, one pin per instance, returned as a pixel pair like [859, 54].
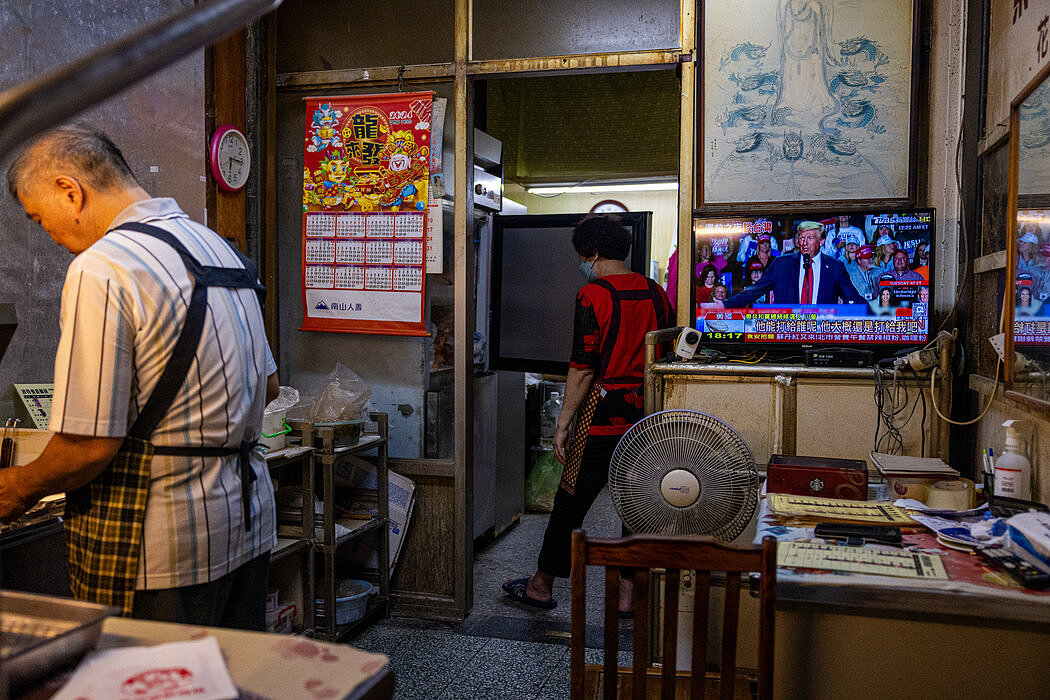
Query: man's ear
[70, 190]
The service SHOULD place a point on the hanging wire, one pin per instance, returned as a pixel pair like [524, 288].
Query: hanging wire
[400, 78]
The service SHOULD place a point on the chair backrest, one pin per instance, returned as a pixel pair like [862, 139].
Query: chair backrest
[674, 553]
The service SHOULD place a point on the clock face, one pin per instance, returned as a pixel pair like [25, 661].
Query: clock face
[230, 158]
[608, 206]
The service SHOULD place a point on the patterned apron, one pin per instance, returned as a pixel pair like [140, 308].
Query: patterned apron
[104, 518]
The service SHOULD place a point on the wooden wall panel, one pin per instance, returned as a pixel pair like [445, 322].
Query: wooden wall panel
[424, 580]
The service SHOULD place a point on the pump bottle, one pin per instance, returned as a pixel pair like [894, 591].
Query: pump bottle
[1013, 471]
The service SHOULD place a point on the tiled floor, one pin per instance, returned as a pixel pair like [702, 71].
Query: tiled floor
[502, 649]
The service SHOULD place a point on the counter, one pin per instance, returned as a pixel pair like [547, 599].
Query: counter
[860, 636]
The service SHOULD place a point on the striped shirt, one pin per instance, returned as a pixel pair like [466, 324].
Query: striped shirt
[123, 306]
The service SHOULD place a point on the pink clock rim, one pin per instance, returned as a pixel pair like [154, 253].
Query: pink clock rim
[610, 201]
[213, 157]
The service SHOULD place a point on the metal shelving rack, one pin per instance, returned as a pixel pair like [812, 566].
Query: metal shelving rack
[322, 437]
[300, 541]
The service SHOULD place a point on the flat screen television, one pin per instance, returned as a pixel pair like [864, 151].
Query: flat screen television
[1031, 281]
[870, 288]
[535, 278]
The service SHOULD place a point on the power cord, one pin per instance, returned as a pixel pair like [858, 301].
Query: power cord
[995, 377]
[891, 402]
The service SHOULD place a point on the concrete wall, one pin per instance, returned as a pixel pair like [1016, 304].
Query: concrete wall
[1017, 52]
[158, 124]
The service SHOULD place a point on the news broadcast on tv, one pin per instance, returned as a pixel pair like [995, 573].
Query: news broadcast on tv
[1032, 279]
[850, 278]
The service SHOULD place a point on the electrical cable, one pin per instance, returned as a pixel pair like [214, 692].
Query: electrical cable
[922, 425]
[891, 403]
[968, 263]
[748, 361]
[995, 378]
[550, 196]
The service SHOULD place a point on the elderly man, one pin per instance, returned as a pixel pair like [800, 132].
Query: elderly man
[803, 277]
[901, 271]
[161, 378]
[862, 273]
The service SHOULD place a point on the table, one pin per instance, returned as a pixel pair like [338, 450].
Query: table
[271, 666]
[860, 636]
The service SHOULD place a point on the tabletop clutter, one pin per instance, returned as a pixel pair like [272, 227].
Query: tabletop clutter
[912, 522]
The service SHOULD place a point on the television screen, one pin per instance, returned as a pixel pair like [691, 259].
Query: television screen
[535, 278]
[854, 278]
[1031, 281]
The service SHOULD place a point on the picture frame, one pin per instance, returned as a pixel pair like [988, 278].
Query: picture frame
[807, 103]
[1027, 302]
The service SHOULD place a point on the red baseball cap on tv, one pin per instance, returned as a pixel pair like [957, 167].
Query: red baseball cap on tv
[763, 237]
[866, 251]
[755, 265]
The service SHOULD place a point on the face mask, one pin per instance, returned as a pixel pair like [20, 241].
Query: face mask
[587, 270]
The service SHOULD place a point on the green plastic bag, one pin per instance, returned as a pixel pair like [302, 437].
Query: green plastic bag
[542, 483]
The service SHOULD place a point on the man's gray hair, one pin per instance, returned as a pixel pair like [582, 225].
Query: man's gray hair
[74, 149]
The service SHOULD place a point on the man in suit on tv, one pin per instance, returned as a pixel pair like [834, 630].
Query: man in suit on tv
[804, 277]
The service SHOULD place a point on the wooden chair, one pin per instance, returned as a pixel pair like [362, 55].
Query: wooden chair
[673, 553]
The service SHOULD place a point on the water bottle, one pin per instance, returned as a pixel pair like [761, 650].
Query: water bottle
[549, 418]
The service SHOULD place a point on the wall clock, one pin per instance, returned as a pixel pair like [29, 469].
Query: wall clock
[229, 158]
[608, 206]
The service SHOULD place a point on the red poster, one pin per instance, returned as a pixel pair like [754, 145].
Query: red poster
[365, 179]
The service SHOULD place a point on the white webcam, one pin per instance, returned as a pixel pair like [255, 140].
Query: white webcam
[688, 340]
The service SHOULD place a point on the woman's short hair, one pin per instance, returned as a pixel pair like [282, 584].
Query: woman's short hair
[602, 235]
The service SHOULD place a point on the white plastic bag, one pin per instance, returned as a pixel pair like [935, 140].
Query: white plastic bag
[343, 398]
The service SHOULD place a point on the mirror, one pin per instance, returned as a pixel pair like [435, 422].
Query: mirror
[1029, 245]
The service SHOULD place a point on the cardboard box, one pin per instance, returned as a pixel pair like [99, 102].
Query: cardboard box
[826, 477]
[357, 473]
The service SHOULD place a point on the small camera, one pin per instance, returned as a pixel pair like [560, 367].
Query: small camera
[688, 339]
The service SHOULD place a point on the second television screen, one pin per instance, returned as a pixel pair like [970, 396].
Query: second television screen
[852, 278]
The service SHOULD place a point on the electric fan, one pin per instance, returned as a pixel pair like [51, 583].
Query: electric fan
[683, 472]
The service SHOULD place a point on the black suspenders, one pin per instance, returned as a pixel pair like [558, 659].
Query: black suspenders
[182, 354]
[617, 295]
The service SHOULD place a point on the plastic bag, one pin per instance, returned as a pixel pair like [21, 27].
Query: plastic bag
[286, 398]
[542, 483]
[343, 398]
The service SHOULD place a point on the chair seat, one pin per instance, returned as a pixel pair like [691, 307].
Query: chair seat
[594, 680]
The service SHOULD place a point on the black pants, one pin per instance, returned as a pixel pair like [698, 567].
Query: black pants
[236, 600]
[570, 509]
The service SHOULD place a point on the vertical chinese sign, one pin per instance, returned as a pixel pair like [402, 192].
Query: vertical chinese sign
[365, 181]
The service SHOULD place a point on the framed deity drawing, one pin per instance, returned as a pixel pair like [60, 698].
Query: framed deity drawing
[808, 101]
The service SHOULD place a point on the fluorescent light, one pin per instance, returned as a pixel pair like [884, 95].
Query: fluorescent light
[566, 189]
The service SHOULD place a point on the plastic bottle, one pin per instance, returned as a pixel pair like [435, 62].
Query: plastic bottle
[1013, 471]
[549, 418]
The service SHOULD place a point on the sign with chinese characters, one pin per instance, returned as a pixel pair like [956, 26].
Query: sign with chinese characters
[365, 183]
[1018, 47]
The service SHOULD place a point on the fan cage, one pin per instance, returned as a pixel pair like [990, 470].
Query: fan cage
[704, 446]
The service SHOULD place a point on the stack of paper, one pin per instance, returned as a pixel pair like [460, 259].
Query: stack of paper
[917, 467]
[811, 508]
[361, 475]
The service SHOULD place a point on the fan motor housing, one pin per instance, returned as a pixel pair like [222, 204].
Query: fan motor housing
[680, 487]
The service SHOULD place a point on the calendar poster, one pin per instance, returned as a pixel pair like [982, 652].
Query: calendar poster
[365, 221]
